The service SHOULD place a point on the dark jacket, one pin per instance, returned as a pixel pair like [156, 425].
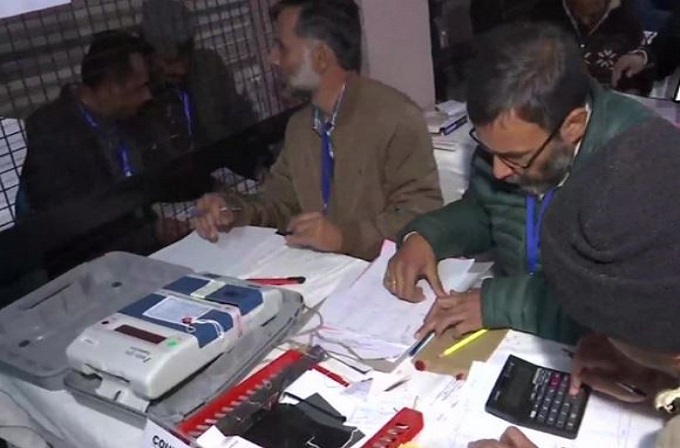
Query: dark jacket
[67, 158]
[618, 32]
[70, 163]
[203, 113]
[491, 216]
[219, 109]
[664, 51]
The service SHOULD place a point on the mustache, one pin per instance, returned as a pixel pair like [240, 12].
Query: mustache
[555, 170]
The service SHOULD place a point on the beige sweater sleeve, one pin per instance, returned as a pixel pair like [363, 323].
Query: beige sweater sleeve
[275, 204]
[412, 187]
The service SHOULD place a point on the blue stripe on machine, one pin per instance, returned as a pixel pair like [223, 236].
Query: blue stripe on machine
[245, 298]
[186, 285]
[205, 333]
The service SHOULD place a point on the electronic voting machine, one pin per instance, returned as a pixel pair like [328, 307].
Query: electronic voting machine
[134, 337]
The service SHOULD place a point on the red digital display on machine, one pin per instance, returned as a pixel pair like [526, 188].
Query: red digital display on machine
[140, 334]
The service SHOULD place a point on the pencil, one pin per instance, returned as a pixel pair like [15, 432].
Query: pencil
[463, 342]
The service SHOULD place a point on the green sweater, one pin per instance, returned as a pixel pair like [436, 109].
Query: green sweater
[491, 216]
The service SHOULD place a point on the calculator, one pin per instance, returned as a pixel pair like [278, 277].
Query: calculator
[538, 398]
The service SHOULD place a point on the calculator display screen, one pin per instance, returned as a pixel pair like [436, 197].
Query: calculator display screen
[515, 389]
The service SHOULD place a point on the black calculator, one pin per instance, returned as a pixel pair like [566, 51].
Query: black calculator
[538, 398]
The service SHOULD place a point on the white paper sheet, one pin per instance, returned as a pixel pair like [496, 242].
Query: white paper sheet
[434, 395]
[371, 321]
[9, 8]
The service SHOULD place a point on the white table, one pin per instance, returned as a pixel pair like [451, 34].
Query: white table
[246, 252]
[453, 164]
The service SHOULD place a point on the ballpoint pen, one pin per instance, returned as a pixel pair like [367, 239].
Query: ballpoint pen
[422, 343]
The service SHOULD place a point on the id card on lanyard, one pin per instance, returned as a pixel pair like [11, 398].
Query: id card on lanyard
[123, 152]
[533, 229]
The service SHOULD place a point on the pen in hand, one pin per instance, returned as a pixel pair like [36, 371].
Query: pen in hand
[631, 389]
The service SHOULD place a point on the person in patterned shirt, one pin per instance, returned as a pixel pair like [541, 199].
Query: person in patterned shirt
[605, 31]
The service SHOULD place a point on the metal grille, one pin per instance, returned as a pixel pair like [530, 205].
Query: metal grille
[12, 155]
[41, 51]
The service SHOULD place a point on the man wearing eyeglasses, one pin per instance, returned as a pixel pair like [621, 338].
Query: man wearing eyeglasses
[538, 117]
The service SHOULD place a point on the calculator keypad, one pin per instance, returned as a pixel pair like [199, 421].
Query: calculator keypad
[551, 403]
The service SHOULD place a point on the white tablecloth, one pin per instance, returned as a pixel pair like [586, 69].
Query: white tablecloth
[245, 252]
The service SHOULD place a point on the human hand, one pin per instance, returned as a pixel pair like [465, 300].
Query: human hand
[414, 259]
[212, 215]
[316, 231]
[628, 65]
[511, 438]
[605, 369]
[460, 310]
[169, 230]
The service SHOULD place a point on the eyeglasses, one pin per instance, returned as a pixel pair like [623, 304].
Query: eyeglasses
[511, 163]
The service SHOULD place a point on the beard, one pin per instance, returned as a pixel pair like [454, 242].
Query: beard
[306, 81]
[550, 175]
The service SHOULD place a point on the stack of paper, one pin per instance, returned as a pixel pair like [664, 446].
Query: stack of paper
[452, 108]
[368, 322]
[439, 123]
[453, 154]
[447, 117]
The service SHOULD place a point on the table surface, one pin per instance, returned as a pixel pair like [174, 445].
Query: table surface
[59, 413]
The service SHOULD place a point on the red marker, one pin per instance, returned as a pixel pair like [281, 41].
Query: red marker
[281, 281]
[334, 376]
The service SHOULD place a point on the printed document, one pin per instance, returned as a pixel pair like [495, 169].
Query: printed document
[367, 321]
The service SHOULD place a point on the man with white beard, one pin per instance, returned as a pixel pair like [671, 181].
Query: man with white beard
[357, 163]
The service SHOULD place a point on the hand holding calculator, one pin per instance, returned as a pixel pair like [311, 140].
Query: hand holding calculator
[538, 398]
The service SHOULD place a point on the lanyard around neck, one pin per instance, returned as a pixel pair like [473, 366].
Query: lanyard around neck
[533, 228]
[325, 128]
[123, 152]
[186, 108]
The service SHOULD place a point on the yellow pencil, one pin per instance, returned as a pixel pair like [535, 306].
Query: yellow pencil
[463, 342]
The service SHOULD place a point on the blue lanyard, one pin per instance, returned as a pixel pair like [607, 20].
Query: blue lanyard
[186, 107]
[123, 151]
[327, 165]
[327, 156]
[533, 229]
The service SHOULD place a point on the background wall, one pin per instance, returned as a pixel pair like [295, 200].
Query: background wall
[397, 46]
